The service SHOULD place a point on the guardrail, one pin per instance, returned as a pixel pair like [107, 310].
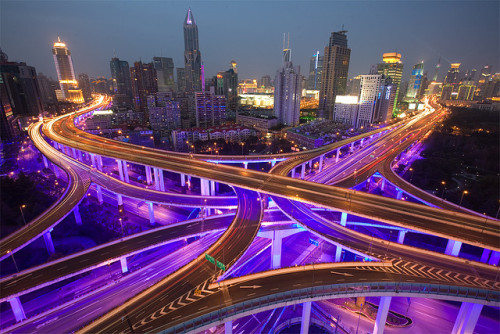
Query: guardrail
[334, 291]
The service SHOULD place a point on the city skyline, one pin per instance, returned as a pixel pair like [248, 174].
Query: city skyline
[255, 41]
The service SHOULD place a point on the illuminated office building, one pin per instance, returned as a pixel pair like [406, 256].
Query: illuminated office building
[375, 99]
[315, 71]
[210, 109]
[143, 84]
[452, 78]
[415, 82]
[227, 85]
[192, 55]
[482, 82]
[65, 73]
[334, 76]
[466, 90]
[392, 67]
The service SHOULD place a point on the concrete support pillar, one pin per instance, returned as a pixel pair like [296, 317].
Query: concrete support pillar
[401, 236]
[78, 217]
[120, 170]
[228, 327]
[80, 157]
[352, 147]
[467, 318]
[273, 163]
[293, 172]
[338, 253]
[303, 171]
[485, 256]
[92, 157]
[361, 143]
[162, 180]
[119, 199]
[399, 194]
[382, 185]
[123, 262]
[17, 309]
[383, 310]
[57, 171]
[151, 213]
[48, 243]
[343, 218]
[45, 161]
[306, 318]
[183, 180]
[157, 178]
[149, 179]
[205, 188]
[276, 249]
[125, 171]
[337, 154]
[99, 162]
[495, 256]
[321, 162]
[453, 247]
[212, 188]
[311, 164]
[74, 152]
[99, 194]
[245, 164]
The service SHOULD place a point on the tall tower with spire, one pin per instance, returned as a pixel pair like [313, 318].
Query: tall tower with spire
[192, 55]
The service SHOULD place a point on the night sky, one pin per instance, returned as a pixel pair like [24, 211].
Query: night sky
[251, 32]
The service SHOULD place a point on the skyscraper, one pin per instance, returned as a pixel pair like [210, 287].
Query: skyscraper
[452, 78]
[181, 79]
[65, 73]
[122, 85]
[482, 82]
[143, 84]
[210, 109]
[315, 70]
[227, 85]
[164, 68]
[375, 99]
[287, 92]
[192, 55]
[84, 84]
[392, 68]
[415, 81]
[334, 76]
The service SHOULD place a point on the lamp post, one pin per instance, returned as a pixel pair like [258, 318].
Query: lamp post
[12, 255]
[121, 225]
[22, 213]
[242, 145]
[461, 198]
[444, 188]
[411, 174]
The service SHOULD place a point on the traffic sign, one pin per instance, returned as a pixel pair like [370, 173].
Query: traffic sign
[313, 242]
[221, 266]
[209, 258]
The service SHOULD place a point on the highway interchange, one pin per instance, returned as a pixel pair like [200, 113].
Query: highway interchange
[291, 195]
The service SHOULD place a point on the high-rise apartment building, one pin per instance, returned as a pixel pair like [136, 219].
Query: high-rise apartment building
[315, 71]
[143, 77]
[164, 68]
[84, 84]
[392, 67]
[210, 109]
[482, 81]
[453, 78]
[164, 112]
[466, 90]
[48, 88]
[66, 74]
[415, 81]
[181, 79]
[334, 76]
[375, 99]
[227, 85]
[192, 55]
[287, 92]
[123, 94]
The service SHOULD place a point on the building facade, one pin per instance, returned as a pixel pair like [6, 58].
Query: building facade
[415, 82]
[210, 109]
[315, 71]
[143, 77]
[66, 74]
[334, 76]
[392, 67]
[164, 112]
[122, 85]
[287, 92]
[164, 68]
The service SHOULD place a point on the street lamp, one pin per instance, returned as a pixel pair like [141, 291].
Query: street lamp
[461, 198]
[411, 175]
[12, 255]
[242, 144]
[121, 225]
[22, 213]
[444, 188]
